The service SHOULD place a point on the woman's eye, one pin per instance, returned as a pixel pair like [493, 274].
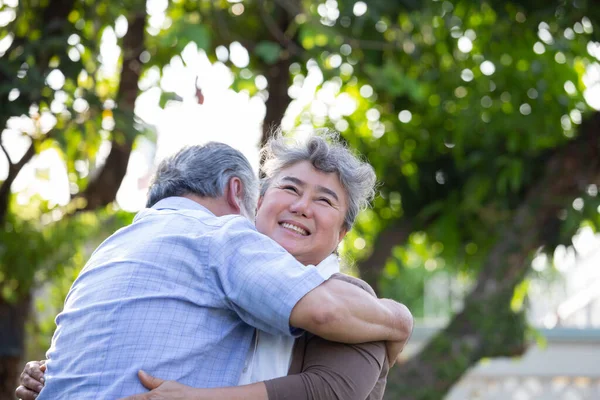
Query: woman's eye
[291, 188]
[326, 200]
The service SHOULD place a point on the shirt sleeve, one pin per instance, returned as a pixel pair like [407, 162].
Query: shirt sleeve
[260, 280]
[332, 370]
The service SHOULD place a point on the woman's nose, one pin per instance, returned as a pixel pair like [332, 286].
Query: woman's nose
[302, 206]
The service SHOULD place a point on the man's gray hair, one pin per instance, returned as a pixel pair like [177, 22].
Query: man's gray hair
[324, 150]
[204, 170]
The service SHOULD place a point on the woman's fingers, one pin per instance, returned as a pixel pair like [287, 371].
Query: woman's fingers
[149, 381]
[32, 384]
[34, 370]
[25, 394]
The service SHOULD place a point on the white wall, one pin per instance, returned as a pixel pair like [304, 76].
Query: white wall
[566, 368]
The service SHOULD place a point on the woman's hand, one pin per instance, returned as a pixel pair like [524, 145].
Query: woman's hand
[393, 350]
[163, 390]
[31, 380]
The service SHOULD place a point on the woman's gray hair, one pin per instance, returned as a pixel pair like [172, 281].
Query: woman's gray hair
[204, 170]
[324, 150]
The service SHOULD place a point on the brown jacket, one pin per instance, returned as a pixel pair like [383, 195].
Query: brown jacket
[324, 370]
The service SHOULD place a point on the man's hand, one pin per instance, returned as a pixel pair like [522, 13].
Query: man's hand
[160, 389]
[31, 380]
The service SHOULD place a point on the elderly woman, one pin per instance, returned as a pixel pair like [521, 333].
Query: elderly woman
[311, 194]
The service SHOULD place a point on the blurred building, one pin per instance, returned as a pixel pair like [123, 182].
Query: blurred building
[563, 304]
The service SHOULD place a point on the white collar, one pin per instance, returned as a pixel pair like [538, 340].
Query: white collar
[329, 266]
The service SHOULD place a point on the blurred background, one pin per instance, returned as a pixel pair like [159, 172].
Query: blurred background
[480, 118]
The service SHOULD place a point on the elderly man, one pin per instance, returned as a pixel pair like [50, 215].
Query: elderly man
[182, 287]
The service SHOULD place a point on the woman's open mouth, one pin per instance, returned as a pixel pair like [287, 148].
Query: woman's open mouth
[294, 228]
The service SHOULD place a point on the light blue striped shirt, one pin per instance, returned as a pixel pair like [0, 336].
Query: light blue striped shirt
[176, 293]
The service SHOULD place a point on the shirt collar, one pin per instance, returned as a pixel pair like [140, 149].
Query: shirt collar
[179, 203]
[329, 266]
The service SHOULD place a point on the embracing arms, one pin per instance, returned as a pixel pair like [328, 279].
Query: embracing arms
[340, 311]
[270, 290]
[320, 370]
[329, 370]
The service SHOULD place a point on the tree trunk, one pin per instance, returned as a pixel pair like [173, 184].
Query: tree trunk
[103, 189]
[487, 327]
[371, 268]
[13, 172]
[12, 334]
[278, 77]
[278, 74]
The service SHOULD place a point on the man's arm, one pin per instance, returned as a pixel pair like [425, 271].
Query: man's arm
[270, 290]
[324, 370]
[341, 312]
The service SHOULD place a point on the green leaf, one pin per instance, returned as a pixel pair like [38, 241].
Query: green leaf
[196, 33]
[268, 51]
[167, 96]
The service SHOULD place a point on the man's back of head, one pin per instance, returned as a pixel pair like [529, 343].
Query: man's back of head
[204, 171]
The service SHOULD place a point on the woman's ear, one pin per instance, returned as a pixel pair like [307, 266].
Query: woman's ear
[342, 235]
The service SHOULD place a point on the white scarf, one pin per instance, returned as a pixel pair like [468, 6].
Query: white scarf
[271, 355]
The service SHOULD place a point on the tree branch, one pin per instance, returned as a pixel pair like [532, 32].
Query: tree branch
[10, 163]
[222, 28]
[288, 43]
[13, 172]
[568, 172]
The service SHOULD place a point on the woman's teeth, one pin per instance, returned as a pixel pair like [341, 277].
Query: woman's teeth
[295, 228]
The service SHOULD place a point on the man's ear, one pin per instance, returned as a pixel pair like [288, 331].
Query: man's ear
[234, 194]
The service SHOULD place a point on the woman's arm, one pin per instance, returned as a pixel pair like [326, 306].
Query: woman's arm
[334, 370]
[330, 370]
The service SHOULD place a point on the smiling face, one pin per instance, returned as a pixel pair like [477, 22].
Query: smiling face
[303, 210]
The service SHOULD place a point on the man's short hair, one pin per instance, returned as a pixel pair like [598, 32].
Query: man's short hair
[205, 171]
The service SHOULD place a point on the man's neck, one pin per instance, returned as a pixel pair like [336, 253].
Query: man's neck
[216, 205]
